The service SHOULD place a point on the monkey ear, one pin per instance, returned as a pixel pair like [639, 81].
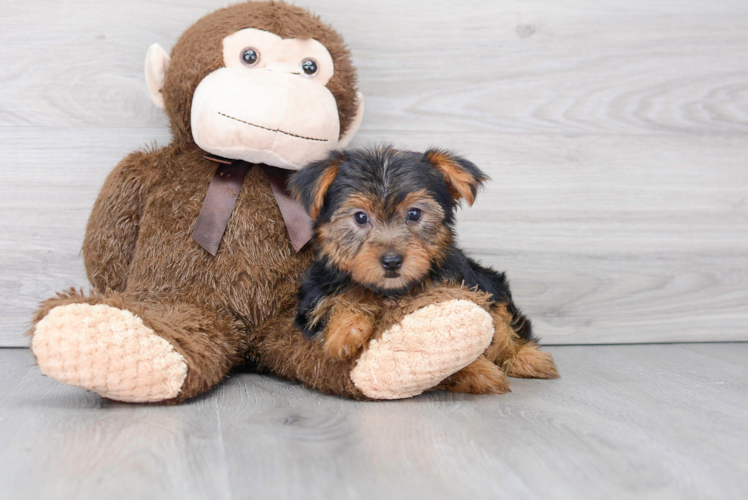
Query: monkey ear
[156, 64]
[355, 123]
[463, 177]
[310, 184]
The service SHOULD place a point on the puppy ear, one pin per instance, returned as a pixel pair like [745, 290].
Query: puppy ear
[463, 177]
[310, 184]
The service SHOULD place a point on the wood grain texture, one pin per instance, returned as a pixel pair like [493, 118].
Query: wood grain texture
[616, 136]
[624, 422]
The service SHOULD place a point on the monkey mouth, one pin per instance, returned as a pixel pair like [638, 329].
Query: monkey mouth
[273, 129]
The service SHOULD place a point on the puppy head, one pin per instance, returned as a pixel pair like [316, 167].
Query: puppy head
[385, 216]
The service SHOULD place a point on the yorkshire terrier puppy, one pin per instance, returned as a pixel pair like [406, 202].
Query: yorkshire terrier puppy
[384, 230]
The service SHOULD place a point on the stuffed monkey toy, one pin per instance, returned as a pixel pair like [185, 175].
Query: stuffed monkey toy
[195, 250]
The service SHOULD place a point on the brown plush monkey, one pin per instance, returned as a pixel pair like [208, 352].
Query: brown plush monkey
[194, 259]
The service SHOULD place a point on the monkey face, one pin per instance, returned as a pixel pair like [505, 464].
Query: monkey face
[269, 104]
[281, 99]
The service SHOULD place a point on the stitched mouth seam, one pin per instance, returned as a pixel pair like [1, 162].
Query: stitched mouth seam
[273, 129]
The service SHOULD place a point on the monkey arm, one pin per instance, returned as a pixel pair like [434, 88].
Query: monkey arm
[113, 226]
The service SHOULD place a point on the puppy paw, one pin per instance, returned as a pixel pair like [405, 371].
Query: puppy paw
[531, 362]
[346, 334]
[479, 377]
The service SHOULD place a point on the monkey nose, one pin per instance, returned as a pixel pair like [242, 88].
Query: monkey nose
[391, 261]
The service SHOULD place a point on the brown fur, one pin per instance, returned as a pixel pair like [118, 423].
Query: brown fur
[516, 357]
[358, 314]
[394, 309]
[357, 298]
[276, 344]
[461, 184]
[348, 330]
[213, 309]
[324, 185]
[138, 250]
[333, 238]
[211, 342]
[240, 304]
[199, 52]
[344, 244]
[513, 357]
[347, 311]
[479, 377]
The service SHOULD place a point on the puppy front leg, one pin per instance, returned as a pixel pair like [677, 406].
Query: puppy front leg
[348, 329]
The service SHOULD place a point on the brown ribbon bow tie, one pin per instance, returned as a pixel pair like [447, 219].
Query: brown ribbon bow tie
[221, 198]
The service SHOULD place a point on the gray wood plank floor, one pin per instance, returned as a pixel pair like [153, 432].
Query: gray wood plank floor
[616, 134]
[637, 421]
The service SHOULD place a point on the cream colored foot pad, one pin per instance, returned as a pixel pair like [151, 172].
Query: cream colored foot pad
[108, 351]
[429, 345]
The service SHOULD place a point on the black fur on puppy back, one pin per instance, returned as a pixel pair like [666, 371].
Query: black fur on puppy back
[460, 268]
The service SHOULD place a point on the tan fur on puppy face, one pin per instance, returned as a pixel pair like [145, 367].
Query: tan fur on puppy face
[358, 249]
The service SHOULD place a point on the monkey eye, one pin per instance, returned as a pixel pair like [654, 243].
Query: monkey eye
[361, 218]
[250, 56]
[414, 214]
[309, 66]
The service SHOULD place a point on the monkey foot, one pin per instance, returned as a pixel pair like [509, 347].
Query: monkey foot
[428, 346]
[108, 351]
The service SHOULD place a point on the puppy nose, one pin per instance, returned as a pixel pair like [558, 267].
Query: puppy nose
[391, 261]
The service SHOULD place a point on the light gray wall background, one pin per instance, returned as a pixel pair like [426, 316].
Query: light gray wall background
[616, 134]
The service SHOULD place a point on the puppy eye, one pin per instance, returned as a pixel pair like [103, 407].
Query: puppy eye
[310, 67]
[361, 218]
[414, 214]
[250, 57]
